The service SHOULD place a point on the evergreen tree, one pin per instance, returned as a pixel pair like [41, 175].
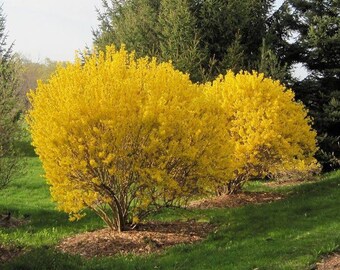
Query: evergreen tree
[234, 58]
[129, 22]
[9, 108]
[270, 65]
[233, 30]
[178, 37]
[312, 37]
[202, 37]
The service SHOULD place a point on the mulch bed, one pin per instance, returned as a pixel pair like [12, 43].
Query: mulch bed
[7, 221]
[8, 253]
[156, 236]
[331, 262]
[146, 238]
[236, 200]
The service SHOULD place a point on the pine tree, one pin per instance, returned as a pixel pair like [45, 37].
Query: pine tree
[202, 37]
[233, 30]
[179, 39]
[270, 65]
[314, 25]
[9, 108]
[234, 58]
[131, 22]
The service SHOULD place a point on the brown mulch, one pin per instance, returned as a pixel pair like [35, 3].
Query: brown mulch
[156, 236]
[236, 200]
[331, 262]
[8, 253]
[146, 238]
[8, 221]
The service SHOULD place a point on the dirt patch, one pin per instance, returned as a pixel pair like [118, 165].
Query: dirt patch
[8, 221]
[146, 238]
[331, 262]
[8, 253]
[236, 200]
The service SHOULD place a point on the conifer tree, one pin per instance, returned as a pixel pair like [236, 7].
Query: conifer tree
[313, 30]
[131, 22]
[9, 107]
[179, 39]
[203, 37]
[270, 65]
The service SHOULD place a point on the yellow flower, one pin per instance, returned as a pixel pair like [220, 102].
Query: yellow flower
[93, 163]
[145, 129]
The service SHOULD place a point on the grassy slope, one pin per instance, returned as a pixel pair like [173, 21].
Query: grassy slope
[289, 234]
[29, 196]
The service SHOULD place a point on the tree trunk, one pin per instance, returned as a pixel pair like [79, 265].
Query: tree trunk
[235, 186]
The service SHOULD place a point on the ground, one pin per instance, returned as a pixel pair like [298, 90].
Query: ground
[146, 238]
[256, 228]
[8, 253]
[331, 262]
[155, 236]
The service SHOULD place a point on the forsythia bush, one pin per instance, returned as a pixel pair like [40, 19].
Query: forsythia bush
[124, 137]
[270, 130]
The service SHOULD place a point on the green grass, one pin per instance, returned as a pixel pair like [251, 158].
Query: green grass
[28, 196]
[288, 234]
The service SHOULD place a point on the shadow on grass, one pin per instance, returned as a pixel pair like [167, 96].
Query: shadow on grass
[44, 258]
[26, 148]
[41, 219]
[287, 234]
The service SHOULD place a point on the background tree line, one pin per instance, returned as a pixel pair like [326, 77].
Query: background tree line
[205, 38]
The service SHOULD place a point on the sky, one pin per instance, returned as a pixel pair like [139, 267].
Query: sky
[52, 29]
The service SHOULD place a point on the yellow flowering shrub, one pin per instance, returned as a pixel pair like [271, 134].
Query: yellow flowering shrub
[271, 131]
[125, 136]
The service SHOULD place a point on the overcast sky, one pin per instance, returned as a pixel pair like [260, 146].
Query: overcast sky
[51, 28]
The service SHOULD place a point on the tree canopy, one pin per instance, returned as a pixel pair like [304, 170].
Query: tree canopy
[204, 38]
[309, 34]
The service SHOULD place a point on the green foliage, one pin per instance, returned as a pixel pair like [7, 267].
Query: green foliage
[234, 58]
[204, 38]
[133, 23]
[289, 234]
[227, 31]
[314, 28]
[10, 108]
[179, 38]
[270, 65]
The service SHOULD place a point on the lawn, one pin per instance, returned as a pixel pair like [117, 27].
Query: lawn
[289, 234]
